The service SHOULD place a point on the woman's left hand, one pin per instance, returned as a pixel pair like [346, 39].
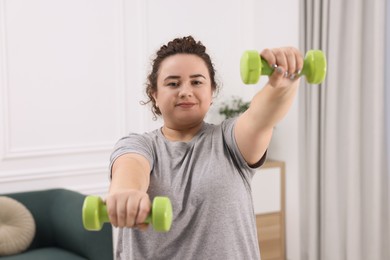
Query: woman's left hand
[287, 63]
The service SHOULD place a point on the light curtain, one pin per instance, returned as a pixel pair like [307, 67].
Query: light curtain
[343, 162]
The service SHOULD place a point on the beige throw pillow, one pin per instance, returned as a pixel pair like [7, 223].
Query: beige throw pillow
[17, 226]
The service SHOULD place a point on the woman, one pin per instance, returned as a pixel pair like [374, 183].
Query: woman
[205, 169]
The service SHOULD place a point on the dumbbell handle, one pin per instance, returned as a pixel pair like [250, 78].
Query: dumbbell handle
[94, 214]
[105, 219]
[268, 70]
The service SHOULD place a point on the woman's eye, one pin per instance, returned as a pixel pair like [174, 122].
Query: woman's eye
[196, 82]
[173, 84]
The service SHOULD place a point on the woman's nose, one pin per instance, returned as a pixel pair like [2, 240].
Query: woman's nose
[185, 90]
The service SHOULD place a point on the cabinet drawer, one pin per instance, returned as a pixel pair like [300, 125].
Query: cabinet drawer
[268, 193]
[269, 231]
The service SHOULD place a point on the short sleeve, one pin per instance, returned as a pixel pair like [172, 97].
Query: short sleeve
[230, 140]
[133, 143]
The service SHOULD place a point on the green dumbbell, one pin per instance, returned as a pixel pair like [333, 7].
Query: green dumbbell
[95, 214]
[252, 66]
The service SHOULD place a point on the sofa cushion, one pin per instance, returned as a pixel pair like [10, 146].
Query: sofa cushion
[46, 253]
[17, 226]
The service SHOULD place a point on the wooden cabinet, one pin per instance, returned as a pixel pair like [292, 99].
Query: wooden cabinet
[268, 190]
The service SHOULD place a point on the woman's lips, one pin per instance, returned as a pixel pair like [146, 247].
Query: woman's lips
[186, 104]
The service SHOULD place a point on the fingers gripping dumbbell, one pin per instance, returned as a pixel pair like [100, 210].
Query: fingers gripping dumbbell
[94, 214]
[252, 66]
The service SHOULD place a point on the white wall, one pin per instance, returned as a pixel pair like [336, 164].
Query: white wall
[72, 75]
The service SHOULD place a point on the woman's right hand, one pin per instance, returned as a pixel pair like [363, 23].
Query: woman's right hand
[128, 208]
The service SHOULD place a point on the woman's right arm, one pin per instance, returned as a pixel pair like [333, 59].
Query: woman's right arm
[128, 204]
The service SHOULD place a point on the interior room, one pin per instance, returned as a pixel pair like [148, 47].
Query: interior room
[72, 83]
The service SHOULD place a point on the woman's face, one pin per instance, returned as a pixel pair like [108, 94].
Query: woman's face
[184, 92]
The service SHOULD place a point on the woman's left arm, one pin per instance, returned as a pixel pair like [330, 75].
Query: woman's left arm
[253, 130]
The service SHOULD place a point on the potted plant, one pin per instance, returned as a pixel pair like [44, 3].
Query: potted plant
[234, 108]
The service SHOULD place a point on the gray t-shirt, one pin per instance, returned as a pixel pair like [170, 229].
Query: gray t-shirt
[208, 182]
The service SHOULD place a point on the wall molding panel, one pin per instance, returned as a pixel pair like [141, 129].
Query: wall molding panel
[50, 151]
[45, 174]
[99, 189]
[13, 151]
[56, 134]
[87, 180]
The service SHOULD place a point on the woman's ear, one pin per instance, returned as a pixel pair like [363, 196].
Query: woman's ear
[154, 95]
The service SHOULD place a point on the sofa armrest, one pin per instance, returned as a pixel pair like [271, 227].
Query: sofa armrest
[66, 216]
[57, 214]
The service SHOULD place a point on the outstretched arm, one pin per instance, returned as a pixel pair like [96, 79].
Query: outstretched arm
[128, 204]
[253, 130]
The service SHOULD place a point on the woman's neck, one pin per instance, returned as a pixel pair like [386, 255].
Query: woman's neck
[182, 134]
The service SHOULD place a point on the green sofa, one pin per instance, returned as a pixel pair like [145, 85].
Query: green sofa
[59, 230]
